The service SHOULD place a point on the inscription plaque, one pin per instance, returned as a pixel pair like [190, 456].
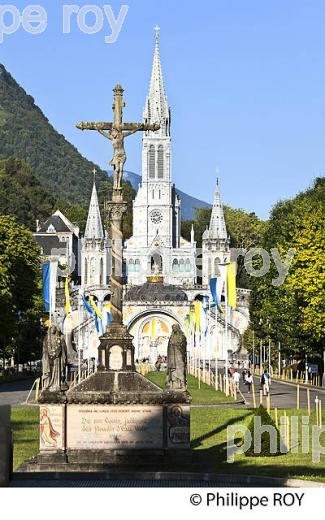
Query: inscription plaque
[115, 358]
[106, 427]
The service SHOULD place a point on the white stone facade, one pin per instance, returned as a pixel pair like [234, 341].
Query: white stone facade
[94, 249]
[156, 235]
[215, 241]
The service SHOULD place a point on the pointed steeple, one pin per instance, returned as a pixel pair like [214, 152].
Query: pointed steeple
[217, 228]
[94, 228]
[156, 107]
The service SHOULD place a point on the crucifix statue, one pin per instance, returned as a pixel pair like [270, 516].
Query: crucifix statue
[116, 335]
[116, 132]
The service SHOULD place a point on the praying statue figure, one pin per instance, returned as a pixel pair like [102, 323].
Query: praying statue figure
[54, 360]
[155, 269]
[176, 360]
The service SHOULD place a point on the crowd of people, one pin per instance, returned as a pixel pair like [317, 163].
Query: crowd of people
[234, 377]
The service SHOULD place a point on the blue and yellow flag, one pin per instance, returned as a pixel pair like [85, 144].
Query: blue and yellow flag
[87, 306]
[231, 284]
[197, 311]
[95, 308]
[153, 327]
[192, 321]
[214, 292]
[187, 324]
[67, 295]
[107, 314]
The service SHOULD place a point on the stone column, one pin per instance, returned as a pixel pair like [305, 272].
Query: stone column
[116, 350]
[114, 211]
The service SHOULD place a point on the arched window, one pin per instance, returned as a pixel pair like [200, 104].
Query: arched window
[101, 272]
[92, 270]
[151, 161]
[182, 265]
[187, 265]
[137, 265]
[175, 266]
[131, 265]
[86, 271]
[160, 161]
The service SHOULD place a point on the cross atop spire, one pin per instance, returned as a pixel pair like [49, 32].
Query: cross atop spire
[157, 29]
[156, 108]
[94, 228]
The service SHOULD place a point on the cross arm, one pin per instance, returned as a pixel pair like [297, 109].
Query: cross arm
[135, 127]
[94, 126]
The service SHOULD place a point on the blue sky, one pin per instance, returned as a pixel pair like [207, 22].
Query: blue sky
[245, 81]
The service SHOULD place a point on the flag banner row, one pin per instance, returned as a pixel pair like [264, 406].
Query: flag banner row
[49, 282]
[102, 318]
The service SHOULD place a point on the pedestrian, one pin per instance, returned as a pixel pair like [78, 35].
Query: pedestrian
[265, 382]
[249, 381]
[236, 378]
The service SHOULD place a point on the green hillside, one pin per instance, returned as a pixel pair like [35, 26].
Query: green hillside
[25, 133]
[21, 194]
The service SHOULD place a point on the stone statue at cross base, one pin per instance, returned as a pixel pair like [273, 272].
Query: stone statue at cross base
[54, 361]
[176, 360]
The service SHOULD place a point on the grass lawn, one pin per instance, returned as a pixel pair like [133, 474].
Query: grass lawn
[207, 394]
[208, 439]
[25, 425]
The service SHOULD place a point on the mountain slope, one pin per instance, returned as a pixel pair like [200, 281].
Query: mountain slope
[26, 134]
[21, 194]
[188, 203]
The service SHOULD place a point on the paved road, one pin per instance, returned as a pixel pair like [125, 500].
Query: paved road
[16, 393]
[283, 395]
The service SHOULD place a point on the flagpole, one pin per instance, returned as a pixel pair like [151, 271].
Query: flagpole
[216, 356]
[208, 340]
[226, 335]
[50, 293]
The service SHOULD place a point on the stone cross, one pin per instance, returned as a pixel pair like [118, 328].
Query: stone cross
[116, 132]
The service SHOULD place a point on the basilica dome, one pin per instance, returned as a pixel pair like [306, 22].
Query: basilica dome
[155, 292]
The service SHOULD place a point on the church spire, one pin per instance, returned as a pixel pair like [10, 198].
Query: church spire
[94, 228]
[217, 228]
[156, 108]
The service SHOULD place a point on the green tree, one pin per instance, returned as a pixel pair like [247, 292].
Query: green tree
[22, 195]
[76, 213]
[19, 278]
[293, 313]
[245, 231]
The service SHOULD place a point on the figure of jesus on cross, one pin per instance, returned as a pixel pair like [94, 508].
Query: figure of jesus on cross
[116, 132]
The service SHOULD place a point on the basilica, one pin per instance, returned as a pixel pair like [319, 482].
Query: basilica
[162, 270]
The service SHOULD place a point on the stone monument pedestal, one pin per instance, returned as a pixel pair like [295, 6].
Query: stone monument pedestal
[114, 420]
